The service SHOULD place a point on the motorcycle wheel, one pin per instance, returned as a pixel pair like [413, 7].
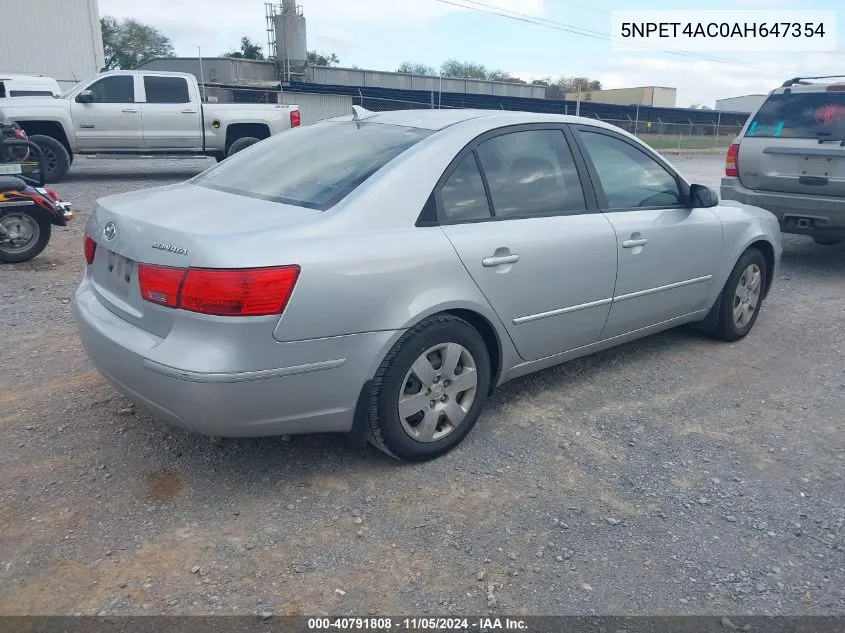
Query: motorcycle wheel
[22, 236]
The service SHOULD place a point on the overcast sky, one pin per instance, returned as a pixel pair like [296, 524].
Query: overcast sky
[381, 34]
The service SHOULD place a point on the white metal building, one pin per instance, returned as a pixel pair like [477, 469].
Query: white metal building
[56, 38]
[657, 96]
[745, 103]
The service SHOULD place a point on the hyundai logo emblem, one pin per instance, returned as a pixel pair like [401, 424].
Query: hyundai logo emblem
[109, 231]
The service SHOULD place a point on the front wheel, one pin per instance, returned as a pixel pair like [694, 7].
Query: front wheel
[22, 236]
[742, 296]
[429, 390]
[56, 156]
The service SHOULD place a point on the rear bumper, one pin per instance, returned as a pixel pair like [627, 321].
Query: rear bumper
[315, 391]
[817, 216]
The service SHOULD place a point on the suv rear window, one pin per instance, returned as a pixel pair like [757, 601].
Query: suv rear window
[801, 115]
[313, 166]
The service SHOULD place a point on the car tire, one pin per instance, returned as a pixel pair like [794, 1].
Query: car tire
[826, 241]
[742, 296]
[241, 143]
[56, 156]
[34, 247]
[413, 372]
[219, 156]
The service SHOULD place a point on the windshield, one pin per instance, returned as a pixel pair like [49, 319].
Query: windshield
[816, 115]
[313, 166]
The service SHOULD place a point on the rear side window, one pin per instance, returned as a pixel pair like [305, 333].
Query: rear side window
[463, 193]
[816, 115]
[313, 166]
[30, 93]
[166, 90]
[531, 173]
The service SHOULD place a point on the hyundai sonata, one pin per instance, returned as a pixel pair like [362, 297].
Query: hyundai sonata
[379, 274]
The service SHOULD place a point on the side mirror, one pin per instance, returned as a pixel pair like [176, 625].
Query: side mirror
[86, 96]
[702, 197]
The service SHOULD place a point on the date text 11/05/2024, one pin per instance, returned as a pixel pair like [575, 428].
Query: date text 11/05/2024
[722, 29]
[481, 625]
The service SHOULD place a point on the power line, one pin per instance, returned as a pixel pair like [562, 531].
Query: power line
[585, 32]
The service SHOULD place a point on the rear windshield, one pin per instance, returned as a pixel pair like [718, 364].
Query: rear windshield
[801, 115]
[312, 166]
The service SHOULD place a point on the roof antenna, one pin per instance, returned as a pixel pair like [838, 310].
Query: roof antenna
[359, 112]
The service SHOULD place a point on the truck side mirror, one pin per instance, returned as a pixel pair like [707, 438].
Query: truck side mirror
[86, 96]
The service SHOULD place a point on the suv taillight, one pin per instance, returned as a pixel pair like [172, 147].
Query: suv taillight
[90, 249]
[295, 118]
[221, 292]
[731, 161]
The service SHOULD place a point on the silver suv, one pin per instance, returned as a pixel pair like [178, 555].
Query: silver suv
[790, 159]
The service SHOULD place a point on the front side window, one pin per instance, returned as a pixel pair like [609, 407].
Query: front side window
[630, 178]
[166, 89]
[531, 173]
[463, 193]
[114, 89]
[313, 166]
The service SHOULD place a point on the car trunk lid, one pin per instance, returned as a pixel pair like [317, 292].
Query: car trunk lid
[176, 226]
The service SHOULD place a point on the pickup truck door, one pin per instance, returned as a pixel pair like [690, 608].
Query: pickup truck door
[113, 120]
[171, 114]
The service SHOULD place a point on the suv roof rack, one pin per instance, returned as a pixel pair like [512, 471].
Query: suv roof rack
[801, 80]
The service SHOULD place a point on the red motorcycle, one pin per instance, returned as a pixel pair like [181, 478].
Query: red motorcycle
[28, 210]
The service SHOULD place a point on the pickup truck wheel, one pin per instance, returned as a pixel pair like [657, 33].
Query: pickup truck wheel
[241, 143]
[56, 157]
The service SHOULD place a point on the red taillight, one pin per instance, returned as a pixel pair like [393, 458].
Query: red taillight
[731, 164]
[221, 292]
[295, 118]
[90, 249]
[19, 133]
[52, 194]
[836, 88]
[160, 284]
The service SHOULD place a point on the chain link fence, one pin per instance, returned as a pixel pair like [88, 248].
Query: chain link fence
[663, 136]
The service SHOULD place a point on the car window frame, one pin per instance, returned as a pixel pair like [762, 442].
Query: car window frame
[433, 213]
[165, 77]
[134, 90]
[601, 196]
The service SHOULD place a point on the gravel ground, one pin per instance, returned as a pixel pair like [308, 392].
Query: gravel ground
[674, 475]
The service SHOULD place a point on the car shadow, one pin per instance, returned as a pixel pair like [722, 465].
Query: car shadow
[801, 255]
[130, 175]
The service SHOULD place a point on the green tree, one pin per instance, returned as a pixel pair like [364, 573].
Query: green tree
[249, 50]
[463, 70]
[128, 43]
[503, 75]
[557, 88]
[316, 58]
[413, 68]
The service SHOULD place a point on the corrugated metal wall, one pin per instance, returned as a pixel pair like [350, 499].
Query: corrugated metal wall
[402, 81]
[57, 38]
[316, 107]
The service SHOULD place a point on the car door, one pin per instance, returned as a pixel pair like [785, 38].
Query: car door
[170, 115]
[112, 121]
[513, 206]
[667, 251]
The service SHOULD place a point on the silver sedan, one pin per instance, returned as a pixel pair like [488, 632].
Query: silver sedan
[379, 274]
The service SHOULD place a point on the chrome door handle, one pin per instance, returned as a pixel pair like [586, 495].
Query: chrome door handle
[189, 111]
[489, 262]
[129, 111]
[634, 243]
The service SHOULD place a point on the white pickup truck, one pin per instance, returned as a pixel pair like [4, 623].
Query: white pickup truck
[140, 112]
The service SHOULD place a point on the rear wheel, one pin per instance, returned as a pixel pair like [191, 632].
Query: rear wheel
[22, 236]
[429, 391]
[56, 156]
[241, 143]
[742, 296]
